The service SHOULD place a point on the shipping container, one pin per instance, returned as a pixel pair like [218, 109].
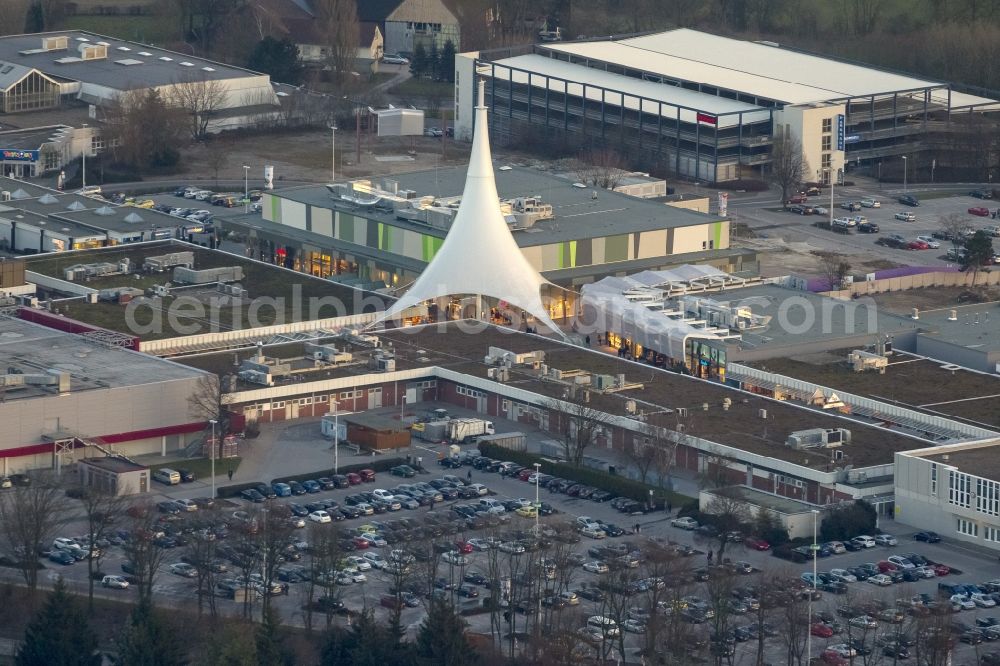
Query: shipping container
[513, 441]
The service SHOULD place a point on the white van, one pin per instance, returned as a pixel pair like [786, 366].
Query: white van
[604, 624]
[168, 476]
[871, 203]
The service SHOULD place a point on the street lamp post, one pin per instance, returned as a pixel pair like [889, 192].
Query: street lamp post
[213, 422]
[83, 172]
[246, 189]
[829, 172]
[538, 471]
[814, 548]
[333, 154]
[336, 436]
[904, 174]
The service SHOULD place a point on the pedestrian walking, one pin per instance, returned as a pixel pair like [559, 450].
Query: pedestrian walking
[230, 473]
[587, 339]
[431, 506]
[284, 589]
[468, 477]
[670, 508]
[710, 557]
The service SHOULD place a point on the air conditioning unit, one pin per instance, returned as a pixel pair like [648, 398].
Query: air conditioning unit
[5, 195]
[762, 413]
[682, 411]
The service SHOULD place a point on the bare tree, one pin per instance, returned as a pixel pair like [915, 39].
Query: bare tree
[29, 516]
[794, 623]
[143, 553]
[142, 128]
[715, 469]
[102, 509]
[275, 529]
[642, 453]
[199, 98]
[324, 541]
[206, 404]
[834, 268]
[247, 557]
[200, 552]
[337, 21]
[788, 166]
[953, 227]
[579, 424]
[12, 14]
[217, 157]
[600, 167]
[865, 15]
[729, 515]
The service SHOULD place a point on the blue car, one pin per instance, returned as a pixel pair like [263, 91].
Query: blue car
[312, 486]
[62, 557]
[281, 489]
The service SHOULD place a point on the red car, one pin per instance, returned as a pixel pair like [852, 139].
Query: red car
[367, 475]
[798, 198]
[917, 245]
[885, 566]
[463, 547]
[360, 543]
[756, 543]
[353, 479]
[980, 211]
[525, 473]
[941, 569]
[821, 630]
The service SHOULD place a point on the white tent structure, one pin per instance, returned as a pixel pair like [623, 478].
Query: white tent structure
[479, 255]
[640, 307]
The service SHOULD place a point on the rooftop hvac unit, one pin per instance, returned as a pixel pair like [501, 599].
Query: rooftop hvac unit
[682, 411]
[762, 413]
[5, 195]
[630, 406]
[60, 43]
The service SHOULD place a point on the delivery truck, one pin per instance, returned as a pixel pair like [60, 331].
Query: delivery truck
[460, 430]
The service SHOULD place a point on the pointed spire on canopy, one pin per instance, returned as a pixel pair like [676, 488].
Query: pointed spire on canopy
[479, 255]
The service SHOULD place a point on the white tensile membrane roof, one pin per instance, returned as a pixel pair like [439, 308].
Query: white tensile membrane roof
[634, 307]
[479, 255]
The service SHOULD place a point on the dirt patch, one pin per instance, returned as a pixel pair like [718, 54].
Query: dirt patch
[305, 156]
[932, 298]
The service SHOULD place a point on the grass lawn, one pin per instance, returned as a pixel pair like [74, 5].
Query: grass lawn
[144, 29]
[202, 467]
[418, 87]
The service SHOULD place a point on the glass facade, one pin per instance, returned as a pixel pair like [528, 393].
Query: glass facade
[31, 93]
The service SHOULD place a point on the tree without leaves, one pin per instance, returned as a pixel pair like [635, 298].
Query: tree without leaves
[642, 453]
[953, 228]
[603, 168]
[199, 98]
[200, 552]
[326, 553]
[143, 129]
[337, 21]
[12, 16]
[29, 516]
[834, 269]
[102, 510]
[141, 549]
[729, 514]
[578, 423]
[275, 529]
[59, 634]
[788, 166]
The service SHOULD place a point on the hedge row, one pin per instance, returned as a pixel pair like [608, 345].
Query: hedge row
[618, 485]
[379, 465]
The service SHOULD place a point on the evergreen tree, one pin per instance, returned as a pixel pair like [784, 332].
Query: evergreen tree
[149, 641]
[337, 646]
[229, 646]
[279, 58]
[270, 648]
[448, 62]
[418, 63]
[434, 62]
[441, 640]
[371, 644]
[59, 635]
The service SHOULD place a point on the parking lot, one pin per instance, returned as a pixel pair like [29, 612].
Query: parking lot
[763, 214]
[439, 528]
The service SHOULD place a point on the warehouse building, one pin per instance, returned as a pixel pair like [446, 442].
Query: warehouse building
[705, 106]
[47, 70]
[68, 396]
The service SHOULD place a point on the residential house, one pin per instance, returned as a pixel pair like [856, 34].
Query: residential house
[406, 23]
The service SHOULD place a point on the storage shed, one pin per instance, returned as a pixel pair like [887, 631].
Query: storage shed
[376, 432]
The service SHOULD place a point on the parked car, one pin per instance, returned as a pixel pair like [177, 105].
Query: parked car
[928, 536]
[979, 211]
[685, 523]
[909, 200]
[395, 59]
[981, 194]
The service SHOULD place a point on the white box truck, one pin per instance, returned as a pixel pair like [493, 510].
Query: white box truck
[461, 429]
